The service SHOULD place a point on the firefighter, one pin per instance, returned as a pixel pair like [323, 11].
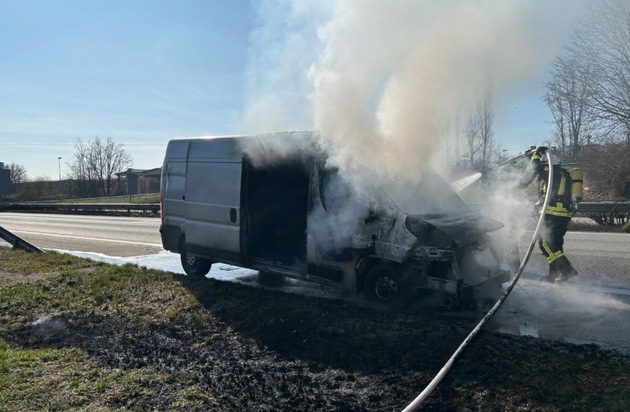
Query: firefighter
[557, 215]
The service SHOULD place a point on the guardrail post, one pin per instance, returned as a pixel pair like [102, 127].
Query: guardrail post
[17, 242]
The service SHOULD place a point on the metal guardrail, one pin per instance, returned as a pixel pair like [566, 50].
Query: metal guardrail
[17, 242]
[583, 207]
[605, 213]
[103, 208]
[603, 207]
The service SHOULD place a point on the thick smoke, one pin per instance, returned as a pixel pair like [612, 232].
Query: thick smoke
[509, 204]
[377, 79]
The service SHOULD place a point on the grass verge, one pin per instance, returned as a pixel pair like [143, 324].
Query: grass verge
[41, 294]
[83, 336]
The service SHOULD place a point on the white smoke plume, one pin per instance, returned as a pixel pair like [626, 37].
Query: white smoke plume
[377, 78]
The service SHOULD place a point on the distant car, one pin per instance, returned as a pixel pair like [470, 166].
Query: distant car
[294, 217]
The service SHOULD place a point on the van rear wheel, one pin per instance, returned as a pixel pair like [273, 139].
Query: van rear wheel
[194, 265]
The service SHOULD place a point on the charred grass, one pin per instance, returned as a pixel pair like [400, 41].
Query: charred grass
[80, 335]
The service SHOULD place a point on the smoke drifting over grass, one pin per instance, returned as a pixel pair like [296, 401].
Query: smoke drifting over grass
[376, 78]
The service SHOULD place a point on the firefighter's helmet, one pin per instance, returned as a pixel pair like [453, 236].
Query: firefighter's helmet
[542, 152]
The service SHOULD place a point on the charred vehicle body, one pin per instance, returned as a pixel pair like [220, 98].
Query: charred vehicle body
[290, 215]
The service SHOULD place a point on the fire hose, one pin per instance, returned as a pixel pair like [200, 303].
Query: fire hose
[447, 366]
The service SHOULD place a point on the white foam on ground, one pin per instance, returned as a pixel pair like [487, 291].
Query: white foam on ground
[170, 262]
[166, 261]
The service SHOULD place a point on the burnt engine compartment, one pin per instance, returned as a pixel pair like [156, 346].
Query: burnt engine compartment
[443, 229]
[474, 265]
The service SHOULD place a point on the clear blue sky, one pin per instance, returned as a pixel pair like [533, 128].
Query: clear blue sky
[144, 71]
[139, 71]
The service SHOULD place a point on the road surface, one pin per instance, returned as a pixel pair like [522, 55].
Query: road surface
[591, 308]
[113, 236]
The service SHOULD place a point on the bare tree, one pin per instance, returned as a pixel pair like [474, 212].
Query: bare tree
[607, 171]
[94, 165]
[602, 41]
[18, 173]
[569, 96]
[81, 171]
[114, 159]
[485, 123]
[452, 137]
[479, 133]
[471, 132]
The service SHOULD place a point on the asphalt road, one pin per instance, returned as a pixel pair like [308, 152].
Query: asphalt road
[113, 236]
[592, 308]
[596, 255]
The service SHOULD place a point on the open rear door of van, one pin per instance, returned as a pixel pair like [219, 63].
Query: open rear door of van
[276, 203]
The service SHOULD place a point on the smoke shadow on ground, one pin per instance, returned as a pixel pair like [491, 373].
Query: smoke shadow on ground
[262, 350]
[331, 332]
[266, 350]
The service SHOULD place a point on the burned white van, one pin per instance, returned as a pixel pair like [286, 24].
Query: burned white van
[291, 215]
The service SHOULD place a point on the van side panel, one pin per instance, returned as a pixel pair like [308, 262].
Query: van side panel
[212, 196]
[213, 205]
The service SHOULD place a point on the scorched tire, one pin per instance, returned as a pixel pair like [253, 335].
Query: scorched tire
[194, 265]
[383, 286]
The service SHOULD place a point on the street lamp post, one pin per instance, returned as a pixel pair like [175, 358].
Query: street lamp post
[59, 161]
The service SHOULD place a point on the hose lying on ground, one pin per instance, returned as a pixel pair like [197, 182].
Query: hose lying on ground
[447, 366]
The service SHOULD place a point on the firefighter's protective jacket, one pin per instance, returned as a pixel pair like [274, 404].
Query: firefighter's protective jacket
[560, 203]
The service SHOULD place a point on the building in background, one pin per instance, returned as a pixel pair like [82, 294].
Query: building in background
[139, 181]
[5, 180]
